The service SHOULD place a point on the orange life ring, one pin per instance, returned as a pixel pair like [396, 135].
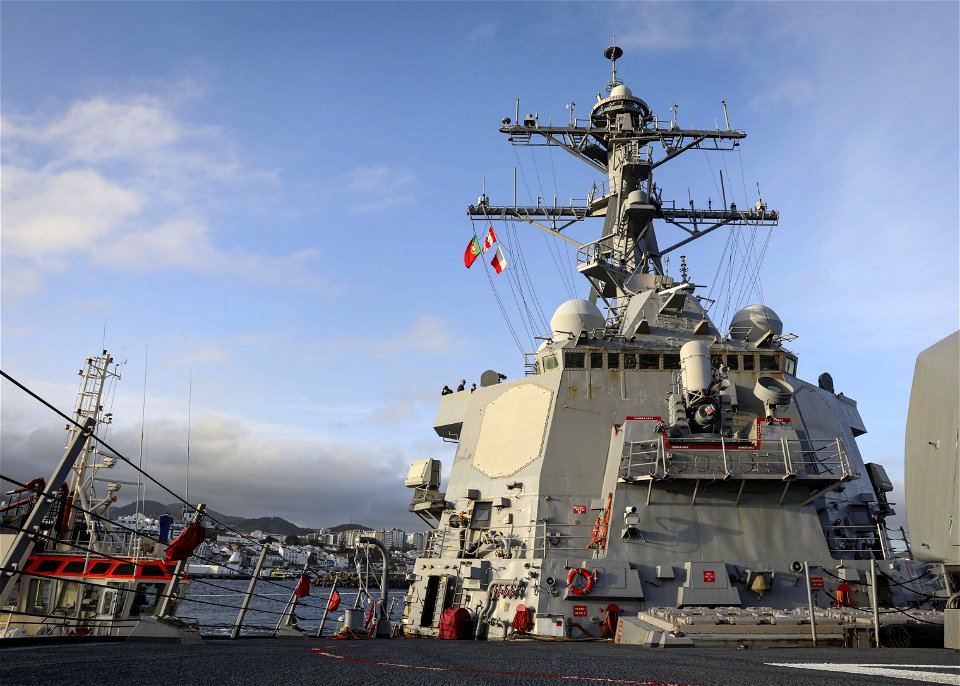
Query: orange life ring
[572, 577]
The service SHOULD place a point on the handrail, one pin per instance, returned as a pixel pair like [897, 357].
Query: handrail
[650, 459]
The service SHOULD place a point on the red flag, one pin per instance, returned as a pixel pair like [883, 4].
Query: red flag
[499, 261]
[470, 254]
[334, 602]
[303, 587]
[183, 545]
[489, 240]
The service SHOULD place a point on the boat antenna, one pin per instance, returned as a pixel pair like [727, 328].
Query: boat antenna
[186, 489]
[143, 414]
[613, 53]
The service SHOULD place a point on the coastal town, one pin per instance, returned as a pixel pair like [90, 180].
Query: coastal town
[322, 553]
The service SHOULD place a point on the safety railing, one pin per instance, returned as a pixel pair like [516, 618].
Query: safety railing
[595, 251]
[527, 541]
[780, 458]
[858, 542]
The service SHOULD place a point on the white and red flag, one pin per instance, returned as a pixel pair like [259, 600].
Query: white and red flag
[489, 240]
[499, 260]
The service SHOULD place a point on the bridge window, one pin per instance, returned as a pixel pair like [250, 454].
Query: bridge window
[733, 362]
[749, 363]
[10, 602]
[769, 363]
[596, 360]
[47, 566]
[74, 567]
[146, 599]
[40, 595]
[790, 366]
[67, 597]
[613, 360]
[574, 360]
[671, 361]
[648, 361]
[99, 568]
[549, 362]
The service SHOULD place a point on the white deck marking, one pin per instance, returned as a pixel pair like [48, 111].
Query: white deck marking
[911, 672]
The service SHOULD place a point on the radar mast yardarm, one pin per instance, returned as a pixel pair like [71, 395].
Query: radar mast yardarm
[625, 141]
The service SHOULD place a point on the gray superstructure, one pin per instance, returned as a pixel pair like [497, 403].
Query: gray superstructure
[649, 461]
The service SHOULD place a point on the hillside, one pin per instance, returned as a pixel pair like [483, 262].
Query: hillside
[347, 527]
[273, 525]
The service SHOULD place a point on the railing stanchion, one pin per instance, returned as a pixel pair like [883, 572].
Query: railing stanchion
[813, 619]
[873, 601]
[246, 598]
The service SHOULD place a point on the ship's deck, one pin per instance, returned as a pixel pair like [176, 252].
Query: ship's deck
[421, 662]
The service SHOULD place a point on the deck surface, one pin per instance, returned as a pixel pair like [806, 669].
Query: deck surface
[424, 662]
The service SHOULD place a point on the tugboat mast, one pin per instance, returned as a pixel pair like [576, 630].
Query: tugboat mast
[625, 141]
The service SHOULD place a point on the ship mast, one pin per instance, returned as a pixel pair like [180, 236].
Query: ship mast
[625, 141]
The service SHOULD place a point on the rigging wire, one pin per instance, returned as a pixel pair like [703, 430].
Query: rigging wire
[122, 457]
[515, 238]
[136, 532]
[503, 310]
[521, 273]
[547, 242]
[569, 272]
[513, 279]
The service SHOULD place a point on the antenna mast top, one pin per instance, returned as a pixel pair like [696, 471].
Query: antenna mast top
[613, 53]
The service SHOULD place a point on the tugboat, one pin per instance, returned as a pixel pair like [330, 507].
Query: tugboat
[653, 479]
[67, 570]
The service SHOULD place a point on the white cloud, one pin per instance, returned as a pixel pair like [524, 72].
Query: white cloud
[377, 187]
[17, 283]
[792, 90]
[429, 333]
[100, 129]
[49, 213]
[236, 467]
[123, 183]
[656, 26]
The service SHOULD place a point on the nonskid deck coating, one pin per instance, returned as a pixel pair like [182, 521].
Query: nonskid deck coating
[426, 662]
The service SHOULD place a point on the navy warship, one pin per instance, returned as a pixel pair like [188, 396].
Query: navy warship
[654, 479]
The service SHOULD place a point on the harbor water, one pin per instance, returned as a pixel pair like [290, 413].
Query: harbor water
[215, 603]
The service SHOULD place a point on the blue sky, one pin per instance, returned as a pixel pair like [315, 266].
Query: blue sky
[269, 199]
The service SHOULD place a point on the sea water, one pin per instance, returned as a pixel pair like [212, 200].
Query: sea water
[215, 604]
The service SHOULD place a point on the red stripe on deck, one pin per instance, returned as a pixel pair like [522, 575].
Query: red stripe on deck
[325, 652]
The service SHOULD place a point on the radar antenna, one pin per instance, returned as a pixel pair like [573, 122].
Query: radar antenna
[613, 53]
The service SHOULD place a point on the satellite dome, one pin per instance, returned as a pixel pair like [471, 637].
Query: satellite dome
[753, 322]
[621, 91]
[573, 316]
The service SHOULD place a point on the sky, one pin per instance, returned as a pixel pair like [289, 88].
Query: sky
[260, 209]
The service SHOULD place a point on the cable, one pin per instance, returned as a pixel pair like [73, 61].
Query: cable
[503, 311]
[139, 533]
[120, 456]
